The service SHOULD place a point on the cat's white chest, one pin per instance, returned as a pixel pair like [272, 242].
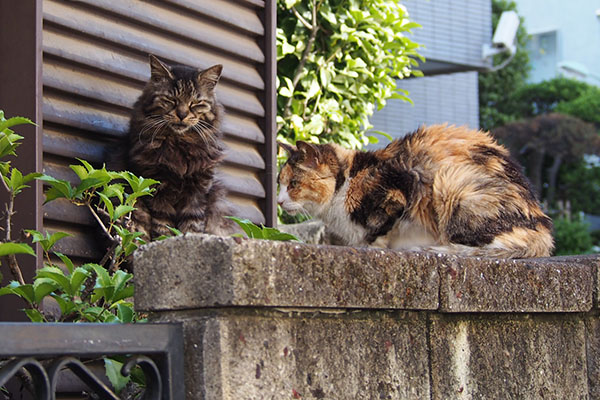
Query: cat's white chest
[338, 220]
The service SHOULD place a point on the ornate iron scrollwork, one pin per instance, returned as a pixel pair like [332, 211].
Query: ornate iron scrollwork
[44, 381]
[40, 381]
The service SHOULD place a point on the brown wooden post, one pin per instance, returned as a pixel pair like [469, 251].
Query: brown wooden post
[21, 95]
[270, 124]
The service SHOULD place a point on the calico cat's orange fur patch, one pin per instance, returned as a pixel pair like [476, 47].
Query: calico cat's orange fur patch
[442, 188]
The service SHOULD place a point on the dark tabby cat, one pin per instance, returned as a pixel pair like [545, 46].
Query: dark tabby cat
[446, 189]
[174, 137]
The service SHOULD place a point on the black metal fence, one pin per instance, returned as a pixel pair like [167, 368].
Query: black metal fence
[41, 353]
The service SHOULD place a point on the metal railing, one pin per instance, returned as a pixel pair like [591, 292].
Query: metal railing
[43, 351]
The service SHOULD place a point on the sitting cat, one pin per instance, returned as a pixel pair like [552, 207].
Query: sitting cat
[442, 188]
[175, 138]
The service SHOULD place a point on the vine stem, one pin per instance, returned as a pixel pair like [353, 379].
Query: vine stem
[314, 28]
[13, 265]
[102, 226]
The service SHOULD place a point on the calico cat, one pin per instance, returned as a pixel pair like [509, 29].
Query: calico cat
[441, 188]
[175, 138]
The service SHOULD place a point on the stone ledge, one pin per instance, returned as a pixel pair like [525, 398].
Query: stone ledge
[196, 271]
[201, 271]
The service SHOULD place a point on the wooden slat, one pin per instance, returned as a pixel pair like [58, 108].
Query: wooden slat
[234, 15]
[243, 156]
[64, 211]
[71, 146]
[84, 242]
[123, 34]
[187, 27]
[85, 117]
[88, 83]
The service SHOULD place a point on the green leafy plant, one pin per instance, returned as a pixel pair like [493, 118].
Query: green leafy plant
[254, 231]
[335, 61]
[14, 182]
[110, 197]
[93, 292]
[572, 236]
[88, 293]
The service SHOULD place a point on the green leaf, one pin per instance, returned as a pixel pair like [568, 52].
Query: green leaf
[56, 236]
[108, 205]
[15, 248]
[125, 313]
[93, 313]
[101, 272]
[58, 188]
[276, 234]
[67, 306]
[122, 210]
[58, 276]
[113, 373]
[42, 287]
[251, 230]
[23, 291]
[7, 123]
[114, 190]
[86, 164]
[80, 170]
[77, 278]
[175, 231]
[124, 293]
[34, 315]
[66, 260]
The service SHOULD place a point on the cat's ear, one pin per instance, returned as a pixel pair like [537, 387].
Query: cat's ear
[287, 147]
[210, 76]
[159, 70]
[311, 153]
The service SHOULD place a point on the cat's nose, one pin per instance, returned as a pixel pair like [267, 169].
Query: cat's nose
[181, 113]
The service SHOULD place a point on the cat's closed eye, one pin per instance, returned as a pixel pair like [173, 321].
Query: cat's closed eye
[200, 105]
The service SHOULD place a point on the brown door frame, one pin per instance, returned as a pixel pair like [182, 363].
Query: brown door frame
[270, 102]
[21, 95]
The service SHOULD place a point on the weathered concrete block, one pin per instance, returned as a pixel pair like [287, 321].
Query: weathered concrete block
[532, 285]
[592, 325]
[196, 271]
[508, 357]
[272, 356]
[593, 261]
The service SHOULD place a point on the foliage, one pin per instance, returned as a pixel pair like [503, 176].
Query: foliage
[261, 232]
[572, 237]
[496, 87]
[93, 292]
[585, 106]
[88, 293]
[545, 97]
[336, 60]
[559, 138]
[110, 196]
[579, 183]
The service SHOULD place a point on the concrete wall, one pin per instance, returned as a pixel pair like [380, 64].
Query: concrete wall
[281, 320]
[575, 26]
[449, 98]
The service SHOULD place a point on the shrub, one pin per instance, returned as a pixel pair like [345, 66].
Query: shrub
[336, 60]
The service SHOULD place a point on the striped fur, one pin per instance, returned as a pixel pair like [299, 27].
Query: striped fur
[175, 138]
[442, 188]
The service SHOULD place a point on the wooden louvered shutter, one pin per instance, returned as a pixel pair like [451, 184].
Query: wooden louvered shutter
[95, 62]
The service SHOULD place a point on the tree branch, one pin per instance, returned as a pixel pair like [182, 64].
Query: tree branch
[11, 259]
[301, 18]
[99, 221]
[298, 74]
